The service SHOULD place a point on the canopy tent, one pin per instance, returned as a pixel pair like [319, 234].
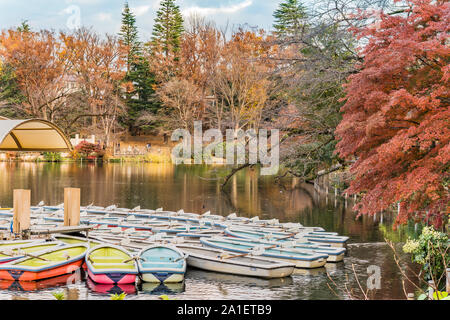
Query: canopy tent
[32, 135]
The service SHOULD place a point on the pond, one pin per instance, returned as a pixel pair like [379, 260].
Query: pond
[197, 189]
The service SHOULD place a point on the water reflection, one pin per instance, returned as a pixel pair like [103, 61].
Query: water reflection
[206, 276]
[192, 188]
[196, 189]
[162, 288]
[110, 289]
[34, 285]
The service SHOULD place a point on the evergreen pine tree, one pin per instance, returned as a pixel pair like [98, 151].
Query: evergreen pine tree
[168, 28]
[141, 99]
[289, 18]
[24, 27]
[129, 36]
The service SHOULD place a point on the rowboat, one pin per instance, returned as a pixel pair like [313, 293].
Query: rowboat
[335, 241]
[161, 263]
[66, 239]
[8, 254]
[111, 264]
[17, 243]
[301, 259]
[219, 261]
[277, 229]
[45, 264]
[334, 254]
[315, 237]
[139, 242]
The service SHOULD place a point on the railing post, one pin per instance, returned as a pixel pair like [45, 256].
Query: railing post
[21, 217]
[71, 207]
[430, 289]
[448, 280]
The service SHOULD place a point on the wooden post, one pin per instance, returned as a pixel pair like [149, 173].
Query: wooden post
[71, 207]
[448, 280]
[21, 217]
[430, 289]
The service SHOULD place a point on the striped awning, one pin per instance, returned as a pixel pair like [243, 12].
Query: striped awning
[33, 135]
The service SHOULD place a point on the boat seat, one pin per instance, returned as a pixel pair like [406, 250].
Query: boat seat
[107, 260]
[113, 265]
[162, 263]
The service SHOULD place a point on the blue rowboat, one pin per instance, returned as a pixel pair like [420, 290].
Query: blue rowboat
[334, 254]
[335, 241]
[301, 259]
[321, 238]
[162, 264]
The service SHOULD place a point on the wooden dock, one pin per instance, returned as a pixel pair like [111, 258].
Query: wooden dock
[63, 230]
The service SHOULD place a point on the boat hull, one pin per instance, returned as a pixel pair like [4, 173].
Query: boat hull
[24, 275]
[162, 277]
[241, 270]
[112, 278]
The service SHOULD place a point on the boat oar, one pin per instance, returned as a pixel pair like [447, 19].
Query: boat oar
[134, 258]
[7, 254]
[248, 253]
[287, 237]
[23, 254]
[181, 258]
[35, 257]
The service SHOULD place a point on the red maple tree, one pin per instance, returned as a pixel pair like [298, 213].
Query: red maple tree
[396, 119]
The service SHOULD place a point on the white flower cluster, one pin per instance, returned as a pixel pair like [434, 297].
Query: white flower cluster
[411, 246]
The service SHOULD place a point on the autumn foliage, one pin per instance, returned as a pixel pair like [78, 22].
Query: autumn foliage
[396, 119]
[89, 150]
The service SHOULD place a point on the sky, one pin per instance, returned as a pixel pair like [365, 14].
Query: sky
[105, 15]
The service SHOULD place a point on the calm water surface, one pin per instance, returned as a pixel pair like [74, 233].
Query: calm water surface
[196, 189]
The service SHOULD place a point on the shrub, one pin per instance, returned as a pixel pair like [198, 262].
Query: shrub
[88, 151]
[431, 251]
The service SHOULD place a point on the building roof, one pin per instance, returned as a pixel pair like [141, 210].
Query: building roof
[33, 135]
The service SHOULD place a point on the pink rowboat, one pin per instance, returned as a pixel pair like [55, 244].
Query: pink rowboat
[110, 264]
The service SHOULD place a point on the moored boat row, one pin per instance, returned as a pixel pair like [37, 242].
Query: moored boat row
[157, 246]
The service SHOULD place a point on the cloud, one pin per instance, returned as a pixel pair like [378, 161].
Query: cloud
[140, 10]
[103, 16]
[221, 10]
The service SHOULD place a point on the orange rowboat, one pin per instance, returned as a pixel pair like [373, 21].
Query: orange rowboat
[46, 264]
